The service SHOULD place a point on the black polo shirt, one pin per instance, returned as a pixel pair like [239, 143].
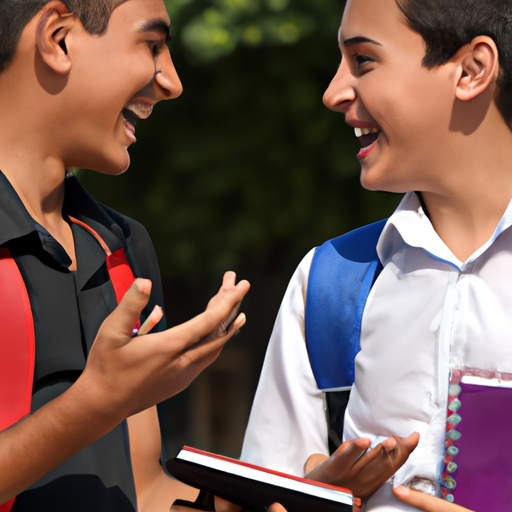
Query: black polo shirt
[68, 308]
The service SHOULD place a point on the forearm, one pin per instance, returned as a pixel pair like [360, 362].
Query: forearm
[40, 442]
[155, 490]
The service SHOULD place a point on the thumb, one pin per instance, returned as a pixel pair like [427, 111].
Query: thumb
[425, 502]
[410, 443]
[124, 318]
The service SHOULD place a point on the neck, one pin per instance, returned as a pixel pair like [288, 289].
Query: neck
[29, 158]
[29, 152]
[39, 184]
[469, 203]
[33, 151]
[466, 183]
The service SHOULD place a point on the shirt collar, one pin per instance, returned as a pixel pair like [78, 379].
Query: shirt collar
[14, 217]
[16, 222]
[415, 229]
[78, 203]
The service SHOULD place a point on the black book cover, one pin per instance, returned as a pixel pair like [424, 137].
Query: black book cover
[255, 488]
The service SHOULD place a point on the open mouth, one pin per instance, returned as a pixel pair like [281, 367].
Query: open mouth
[367, 136]
[130, 116]
[136, 110]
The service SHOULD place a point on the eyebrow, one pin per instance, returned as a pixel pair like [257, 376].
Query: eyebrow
[157, 25]
[358, 40]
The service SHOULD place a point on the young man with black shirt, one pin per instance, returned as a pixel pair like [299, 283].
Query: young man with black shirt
[75, 76]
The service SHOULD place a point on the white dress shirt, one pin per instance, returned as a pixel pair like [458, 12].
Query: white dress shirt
[427, 311]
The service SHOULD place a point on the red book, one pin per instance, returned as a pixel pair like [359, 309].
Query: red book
[254, 487]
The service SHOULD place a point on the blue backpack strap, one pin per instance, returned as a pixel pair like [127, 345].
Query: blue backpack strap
[341, 276]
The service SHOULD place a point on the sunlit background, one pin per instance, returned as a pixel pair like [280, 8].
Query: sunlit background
[246, 171]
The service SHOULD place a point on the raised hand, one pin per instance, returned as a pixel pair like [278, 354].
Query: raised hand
[124, 375]
[135, 373]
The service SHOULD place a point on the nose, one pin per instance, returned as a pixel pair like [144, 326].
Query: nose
[167, 81]
[341, 92]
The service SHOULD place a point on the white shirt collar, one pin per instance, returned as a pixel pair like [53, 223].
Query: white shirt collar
[416, 230]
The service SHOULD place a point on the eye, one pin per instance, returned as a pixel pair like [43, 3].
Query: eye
[156, 47]
[361, 60]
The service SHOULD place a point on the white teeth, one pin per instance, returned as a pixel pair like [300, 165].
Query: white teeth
[140, 110]
[365, 131]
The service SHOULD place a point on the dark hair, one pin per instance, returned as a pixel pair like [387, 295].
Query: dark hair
[448, 25]
[15, 14]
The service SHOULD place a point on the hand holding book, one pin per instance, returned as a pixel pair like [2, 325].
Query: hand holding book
[355, 463]
[363, 475]
[253, 487]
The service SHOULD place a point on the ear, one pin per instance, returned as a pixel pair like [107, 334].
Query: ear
[52, 29]
[479, 67]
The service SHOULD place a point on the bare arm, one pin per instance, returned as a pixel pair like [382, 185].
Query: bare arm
[425, 502]
[123, 376]
[155, 490]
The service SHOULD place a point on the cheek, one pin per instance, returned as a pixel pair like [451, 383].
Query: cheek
[134, 67]
[120, 78]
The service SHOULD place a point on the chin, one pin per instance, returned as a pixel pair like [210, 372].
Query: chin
[381, 181]
[111, 166]
[370, 181]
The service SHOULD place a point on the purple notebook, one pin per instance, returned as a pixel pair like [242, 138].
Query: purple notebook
[478, 465]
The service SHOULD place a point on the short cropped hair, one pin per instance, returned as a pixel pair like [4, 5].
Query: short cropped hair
[15, 15]
[448, 25]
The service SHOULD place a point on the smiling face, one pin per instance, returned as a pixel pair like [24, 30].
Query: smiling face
[115, 80]
[400, 110]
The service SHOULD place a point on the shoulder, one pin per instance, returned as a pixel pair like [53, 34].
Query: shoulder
[357, 245]
[135, 234]
[132, 229]
[137, 243]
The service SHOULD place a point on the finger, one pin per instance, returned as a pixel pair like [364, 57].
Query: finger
[237, 325]
[395, 449]
[222, 505]
[154, 317]
[378, 465]
[352, 450]
[339, 464]
[389, 444]
[125, 316]
[425, 502]
[206, 351]
[314, 461]
[224, 326]
[212, 346]
[196, 329]
[409, 443]
[276, 507]
[223, 307]
[229, 278]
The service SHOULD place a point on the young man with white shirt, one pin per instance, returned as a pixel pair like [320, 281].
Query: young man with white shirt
[426, 86]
